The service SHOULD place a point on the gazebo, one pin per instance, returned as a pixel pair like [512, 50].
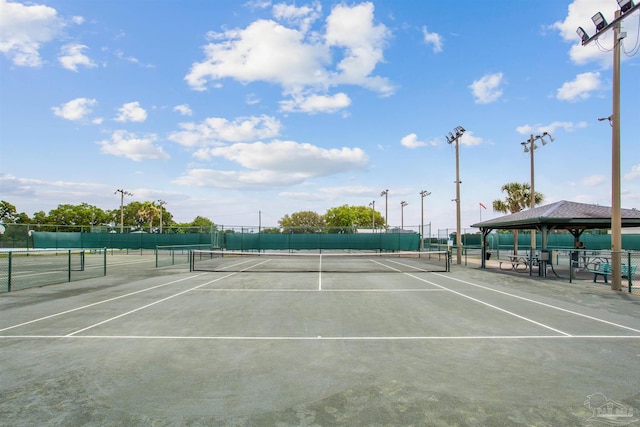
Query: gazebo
[562, 215]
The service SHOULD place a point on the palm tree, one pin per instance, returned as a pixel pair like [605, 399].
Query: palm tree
[518, 198]
[147, 212]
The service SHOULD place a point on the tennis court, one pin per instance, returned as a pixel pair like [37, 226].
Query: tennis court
[248, 348]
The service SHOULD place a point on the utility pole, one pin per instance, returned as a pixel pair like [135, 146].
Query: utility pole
[122, 194]
[626, 8]
[451, 138]
[423, 194]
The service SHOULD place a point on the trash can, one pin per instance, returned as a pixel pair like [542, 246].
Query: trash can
[487, 256]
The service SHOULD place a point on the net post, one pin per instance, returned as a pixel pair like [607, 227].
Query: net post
[104, 261]
[69, 265]
[156, 254]
[9, 273]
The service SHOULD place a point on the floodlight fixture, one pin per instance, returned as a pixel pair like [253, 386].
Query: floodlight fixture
[583, 34]
[625, 5]
[599, 21]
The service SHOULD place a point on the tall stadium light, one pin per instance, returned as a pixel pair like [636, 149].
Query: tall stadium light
[627, 7]
[529, 147]
[161, 203]
[423, 194]
[451, 138]
[385, 193]
[373, 215]
[599, 21]
[402, 205]
[583, 34]
[122, 194]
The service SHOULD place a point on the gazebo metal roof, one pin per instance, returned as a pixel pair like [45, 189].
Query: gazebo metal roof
[563, 215]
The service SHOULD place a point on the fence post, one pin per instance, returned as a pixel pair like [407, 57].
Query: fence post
[629, 279]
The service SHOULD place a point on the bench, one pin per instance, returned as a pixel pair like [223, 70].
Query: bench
[625, 271]
[602, 270]
[515, 261]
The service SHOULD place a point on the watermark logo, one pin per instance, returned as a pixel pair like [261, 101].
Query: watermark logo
[609, 412]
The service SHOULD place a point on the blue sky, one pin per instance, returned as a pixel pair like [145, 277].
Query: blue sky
[225, 109]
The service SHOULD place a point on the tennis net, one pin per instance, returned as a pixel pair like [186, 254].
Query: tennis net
[339, 262]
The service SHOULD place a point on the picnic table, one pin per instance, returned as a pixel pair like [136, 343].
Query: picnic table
[514, 262]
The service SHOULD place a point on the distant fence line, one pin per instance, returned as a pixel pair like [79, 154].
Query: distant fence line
[62, 237]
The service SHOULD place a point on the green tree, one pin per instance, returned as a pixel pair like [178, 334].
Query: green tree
[83, 214]
[201, 221]
[347, 218]
[8, 212]
[270, 230]
[518, 198]
[302, 222]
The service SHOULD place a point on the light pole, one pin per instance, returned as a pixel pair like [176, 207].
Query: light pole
[530, 147]
[385, 193]
[451, 138]
[122, 194]
[161, 203]
[626, 8]
[423, 194]
[402, 205]
[373, 215]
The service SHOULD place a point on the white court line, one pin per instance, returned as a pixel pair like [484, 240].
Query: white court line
[325, 338]
[541, 303]
[491, 305]
[98, 303]
[148, 305]
[323, 290]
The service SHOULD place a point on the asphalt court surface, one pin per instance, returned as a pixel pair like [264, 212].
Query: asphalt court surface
[169, 347]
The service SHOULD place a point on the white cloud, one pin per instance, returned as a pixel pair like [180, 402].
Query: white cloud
[24, 29]
[55, 191]
[634, 173]
[76, 109]
[316, 103]
[302, 16]
[331, 193]
[216, 130]
[434, 39]
[487, 89]
[264, 51]
[279, 163]
[550, 128]
[580, 88]
[292, 157]
[78, 20]
[469, 139]
[593, 180]
[411, 141]
[131, 112]
[183, 109]
[297, 60]
[237, 179]
[71, 57]
[126, 144]
[352, 28]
